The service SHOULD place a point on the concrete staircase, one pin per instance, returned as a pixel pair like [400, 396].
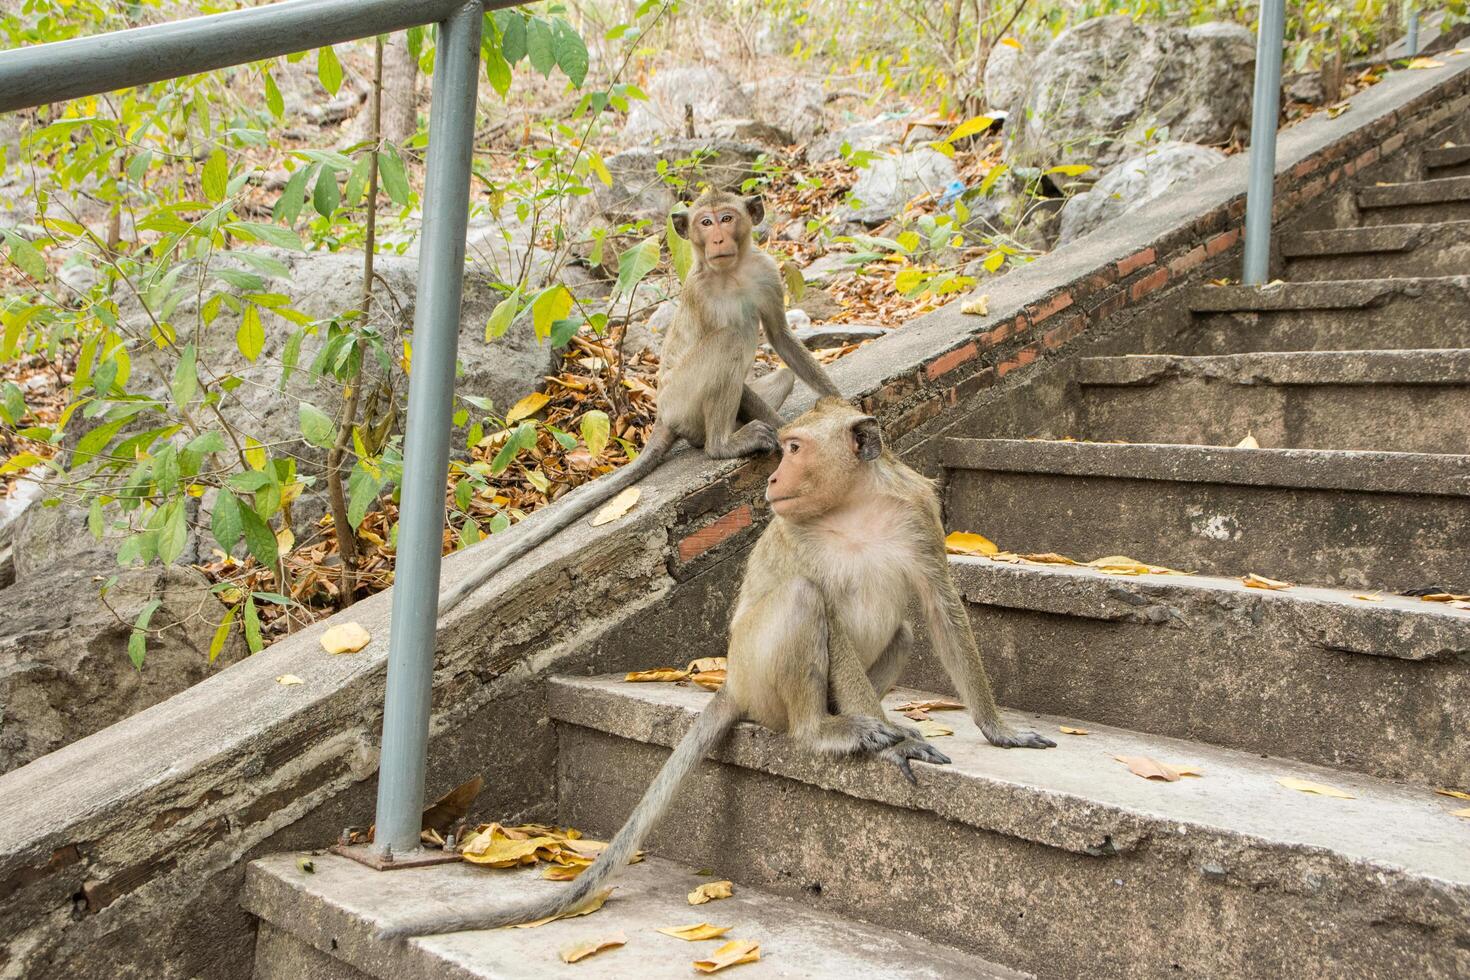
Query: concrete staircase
[1354, 376]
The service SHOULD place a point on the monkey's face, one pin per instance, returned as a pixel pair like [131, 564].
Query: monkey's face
[720, 234]
[824, 459]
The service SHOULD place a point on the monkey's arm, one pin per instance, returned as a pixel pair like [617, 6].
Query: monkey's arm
[791, 350]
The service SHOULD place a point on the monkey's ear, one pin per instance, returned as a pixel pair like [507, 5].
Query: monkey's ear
[756, 208]
[867, 438]
[681, 222]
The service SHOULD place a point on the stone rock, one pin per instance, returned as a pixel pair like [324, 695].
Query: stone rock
[1305, 87]
[819, 304]
[794, 104]
[1101, 85]
[64, 667]
[874, 136]
[750, 131]
[1134, 182]
[711, 92]
[46, 539]
[886, 184]
[1006, 75]
[797, 319]
[638, 192]
[830, 268]
[838, 335]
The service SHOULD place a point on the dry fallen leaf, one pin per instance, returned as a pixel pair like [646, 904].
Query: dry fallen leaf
[966, 543]
[710, 680]
[286, 680]
[706, 663]
[1142, 765]
[1249, 442]
[1465, 813]
[696, 932]
[711, 890]
[528, 406]
[933, 704]
[1254, 581]
[1123, 565]
[979, 306]
[657, 674]
[452, 806]
[580, 951]
[915, 714]
[1368, 598]
[1450, 597]
[498, 851]
[1068, 730]
[1301, 785]
[1422, 63]
[1334, 111]
[591, 905]
[732, 953]
[933, 729]
[345, 638]
[616, 507]
[1457, 794]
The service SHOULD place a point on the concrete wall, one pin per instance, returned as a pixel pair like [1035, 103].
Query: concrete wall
[122, 854]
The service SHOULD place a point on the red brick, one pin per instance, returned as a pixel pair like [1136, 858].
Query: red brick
[1392, 144]
[1058, 336]
[975, 382]
[1113, 304]
[1148, 284]
[707, 537]
[1135, 261]
[1312, 189]
[1237, 209]
[945, 363]
[1051, 307]
[1366, 159]
[991, 338]
[1221, 242]
[919, 414]
[1306, 166]
[1188, 260]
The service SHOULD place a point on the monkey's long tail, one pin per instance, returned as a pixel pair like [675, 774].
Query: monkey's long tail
[718, 717]
[558, 518]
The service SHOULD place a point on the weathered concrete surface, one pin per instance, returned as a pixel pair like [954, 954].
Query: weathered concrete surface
[1446, 161]
[1052, 850]
[339, 907]
[1381, 687]
[1398, 401]
[1442, 199]
[1376, 252]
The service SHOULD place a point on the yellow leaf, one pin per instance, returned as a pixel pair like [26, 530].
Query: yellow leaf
[1142, 765]
[1254, 581]
[285, 540]
[979, 306]
[933, 729]
[934, 704]
[528, 406]
[1465, 813]
[1068, 730]
[710, 680]
[1443, 597]
[1011, 42]
[968, 543]
[1301, 785]
[706, 663]
[696, 932]
[711, 890]
[970, 127]
[1123, 565]
[580, 951]
[288, 680]
[616, 507]
[1422, 63]
[564, 872]
[732, 953]
[501, 852]
[346, 638]
[657, 674]
[587, 908]
[1453, 792]
[1369, 598]
[1049, 558]
[1249, 442]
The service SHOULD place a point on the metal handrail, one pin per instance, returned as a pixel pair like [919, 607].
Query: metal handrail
[47, 73]
[1265, 114]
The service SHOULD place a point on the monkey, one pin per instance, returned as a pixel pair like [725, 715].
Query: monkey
[732, 291]
[819, 632]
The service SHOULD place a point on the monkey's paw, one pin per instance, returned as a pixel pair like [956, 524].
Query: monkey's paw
[1008, 738]
[767, 440]
[875, 735]
[915, 749]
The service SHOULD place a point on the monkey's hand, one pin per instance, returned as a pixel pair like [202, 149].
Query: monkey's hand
[916, 749]
[1006, 737]
[766, 436]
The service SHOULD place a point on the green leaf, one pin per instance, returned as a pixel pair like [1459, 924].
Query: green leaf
[288, 207]
[550, 305]
[173, 535]
[680, 250]
[1068, 170]
[562, 331]
[94, 518]
[497, 71]
[186, 378]
[239, 278]
[362, 490]
[990, 178]
[571, 52]
[513, 37]
[539, 46]
[250, 337]
[635, 263]
[166, 469]
[216, 177]
[317, 426]
[395, 177]
[12, 403]
[596, 430]
[222, 633]
[206, 443]
[138, 641]
[18, 462]
[275, 104]
[501, 317]
[259, 539]
[270, 234]
[325, 197]
[252, 626]
[25, 256]
[93, 442]
[329, 70]
[225, 522]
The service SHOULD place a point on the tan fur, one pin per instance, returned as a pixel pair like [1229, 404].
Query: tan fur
[821, 623]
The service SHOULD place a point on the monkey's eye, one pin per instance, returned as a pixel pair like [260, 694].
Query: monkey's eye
[727, 218]
[792, 448]
[706, 221]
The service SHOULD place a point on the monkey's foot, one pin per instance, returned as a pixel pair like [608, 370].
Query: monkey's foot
[876, 735]
[1005, 737]
[915, 749]
[766, 436]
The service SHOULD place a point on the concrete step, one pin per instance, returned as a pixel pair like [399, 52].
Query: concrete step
[1364, 314]
[1450, 160]
[1378, 685]
[321, 925]
[1060, 861]
[1401, 401]
[1378, 252]
[1357, 520]
[1444, 199]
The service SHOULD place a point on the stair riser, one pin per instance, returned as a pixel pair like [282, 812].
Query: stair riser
[1401, 214]
[1322, 537]
[1395, 418]
[1400, 323]
[1150, 911]
[1451, 170]
[1234, 672]
[1448, 260]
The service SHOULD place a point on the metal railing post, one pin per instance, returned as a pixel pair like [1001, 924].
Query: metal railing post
[1265, 109]
[1412, 41]
[426, 441]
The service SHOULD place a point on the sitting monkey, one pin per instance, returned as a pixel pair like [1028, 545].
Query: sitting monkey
[732, 291]
[820, 630]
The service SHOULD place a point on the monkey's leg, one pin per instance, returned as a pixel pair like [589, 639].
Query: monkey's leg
[772, 389]
[723, 441]
[886, 669]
